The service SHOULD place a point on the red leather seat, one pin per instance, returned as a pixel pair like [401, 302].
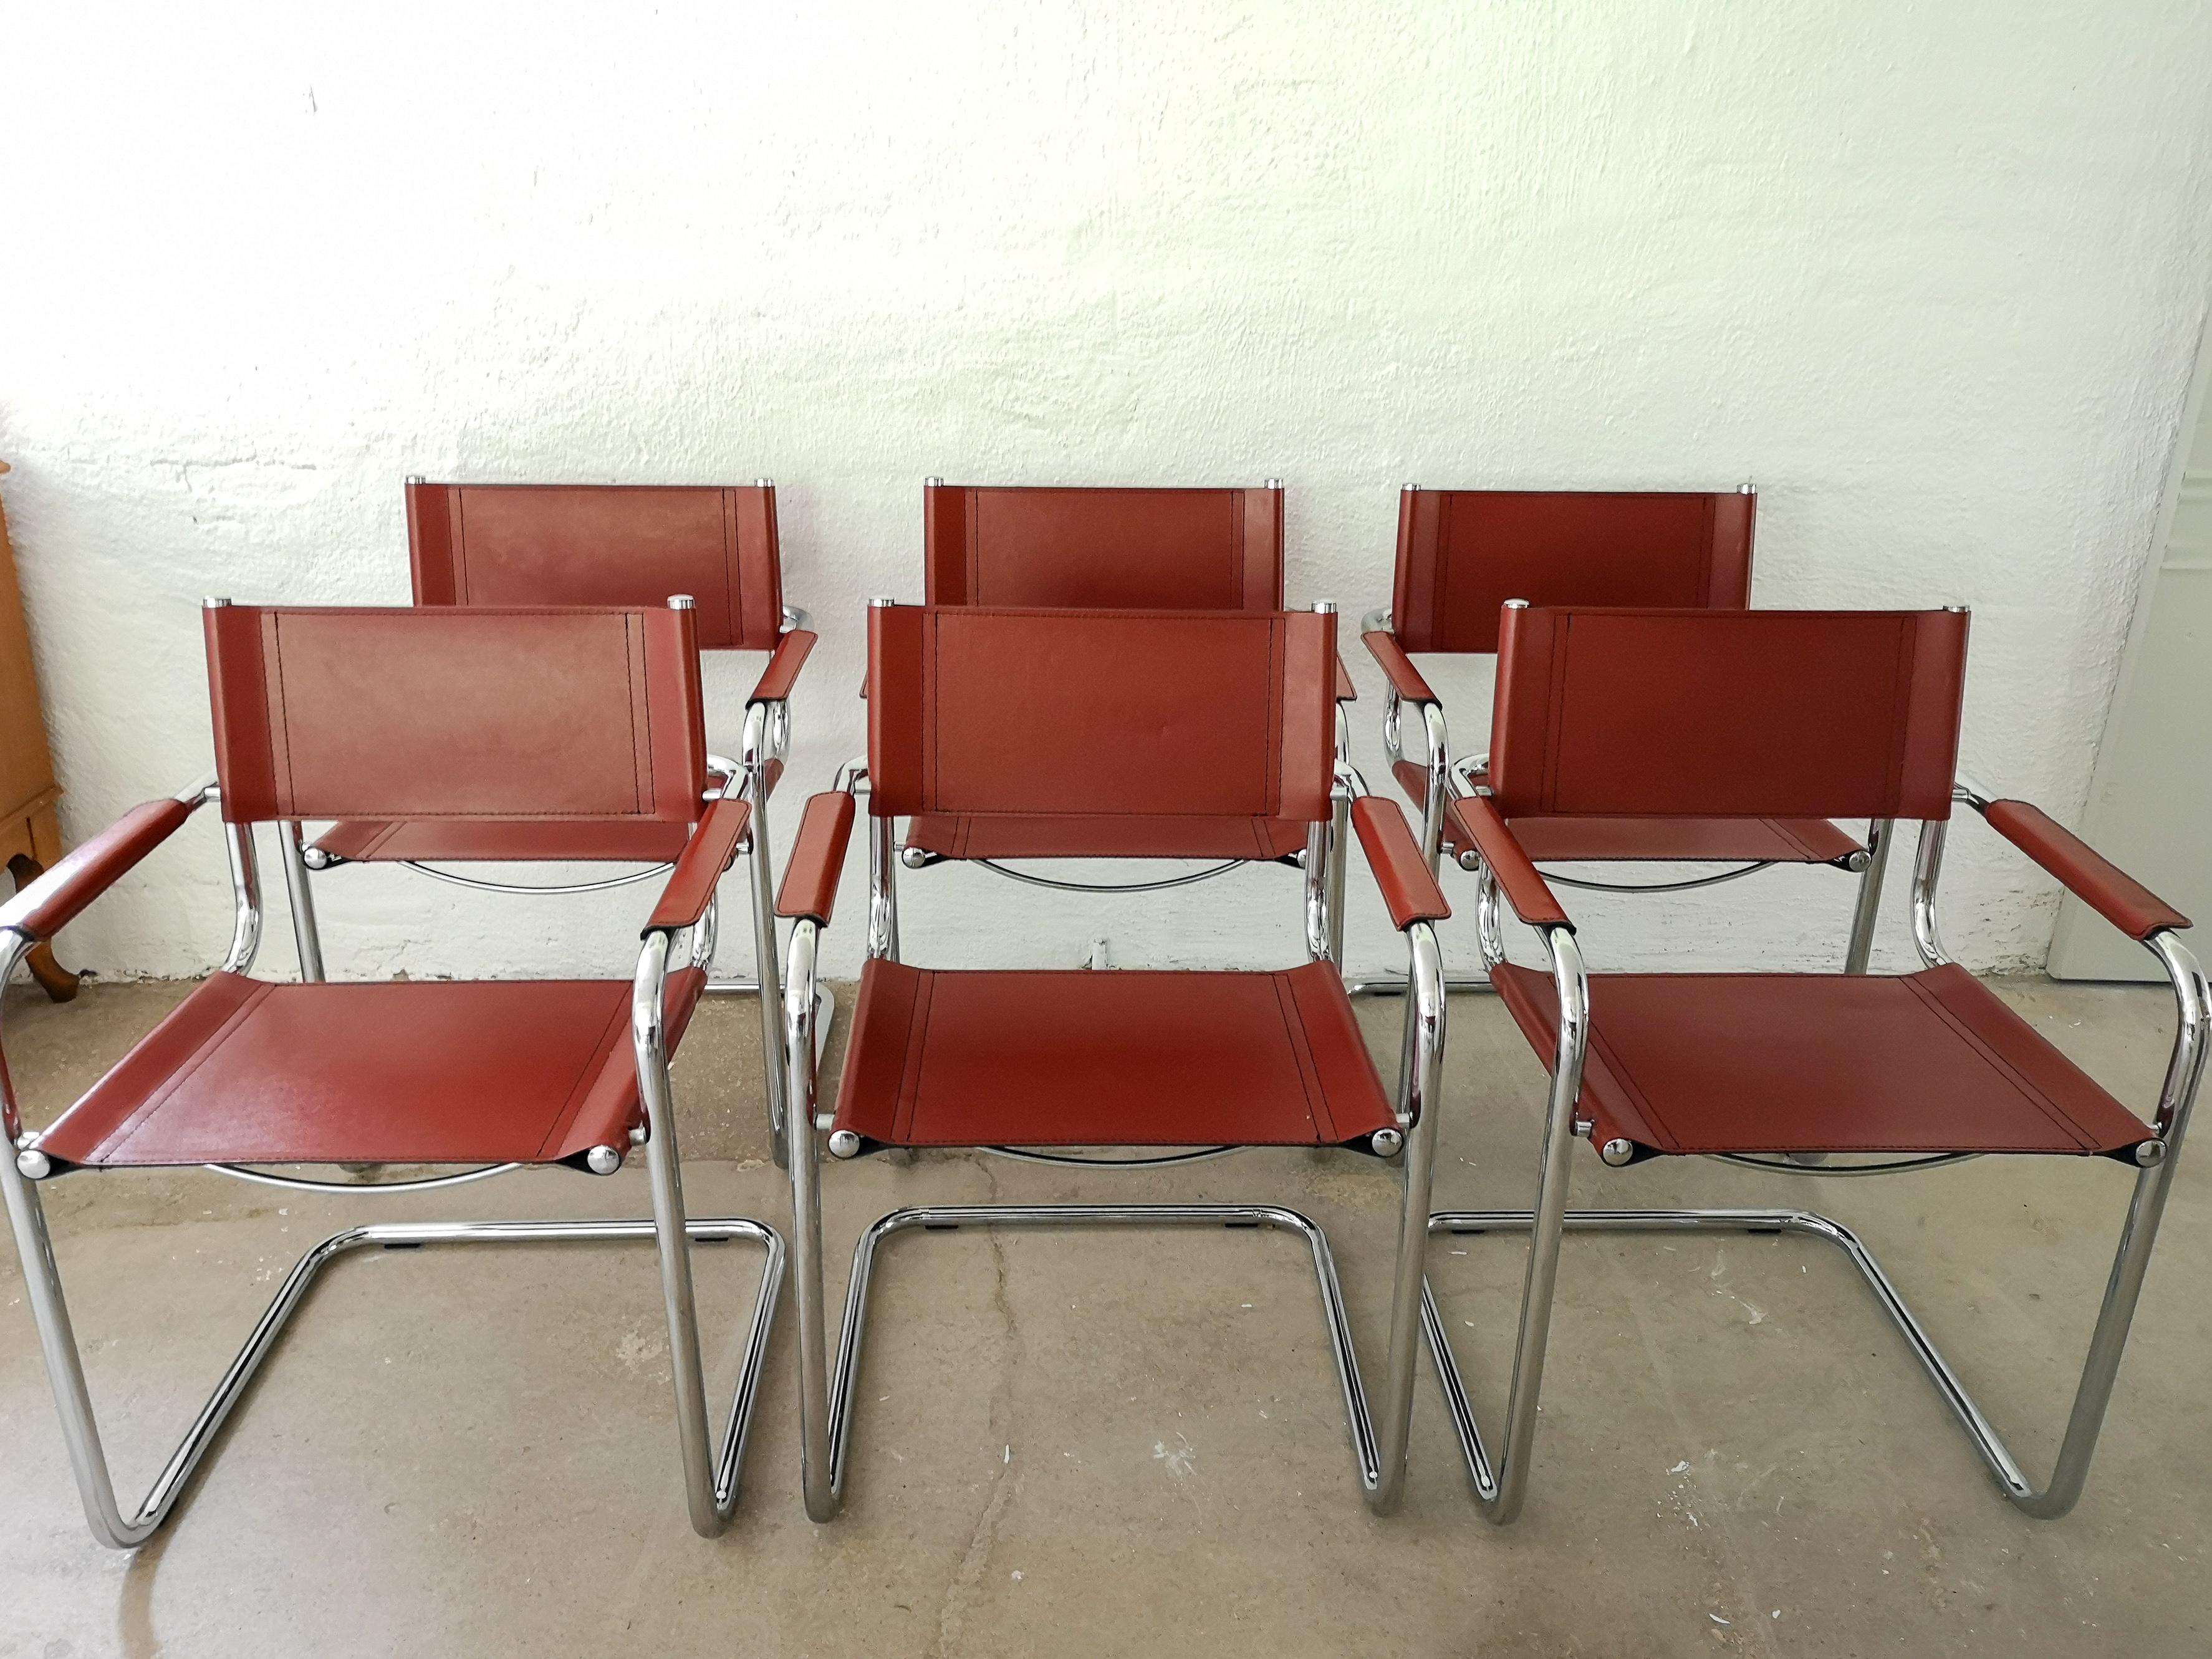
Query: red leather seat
[615, 841]
[1632, 839]
[411, 1072]
[1138, 835]
[1117, 1058]
[510, 841]
[1925, 1062]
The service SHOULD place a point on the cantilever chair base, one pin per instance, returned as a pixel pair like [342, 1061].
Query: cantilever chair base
[65, 1370]
[2047, 1504]
[1365, 1454]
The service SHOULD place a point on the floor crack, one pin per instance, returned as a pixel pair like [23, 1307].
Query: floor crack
[965, 1587]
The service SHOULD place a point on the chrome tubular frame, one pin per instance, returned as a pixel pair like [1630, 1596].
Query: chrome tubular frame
[1340, 841]
[1868, 908]
[246, 896]
[758, 750]
[1320, 921]
[826, 1389]
[1927, 870]
[711, 1482]
[292, 843]
[883, 885]
[1028, 880]
[710, 1485]
[1500, 1488]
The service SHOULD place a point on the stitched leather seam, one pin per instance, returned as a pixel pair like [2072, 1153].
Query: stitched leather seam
[112, 1145]
[2050, 1108]
[273, 675]
[1711, 550]
[1236, 511]
[596, 1060]
[1789, 838]
[1555, 700]
[1432, 623]
[1277, 670]
[636, 645]
[907, 1106]
[1639, 1099]
[457, 546]
[1317, 1113]
[734, 591]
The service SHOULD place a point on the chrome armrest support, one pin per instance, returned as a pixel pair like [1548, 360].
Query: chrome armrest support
[1488, 933]
[246, 896]
[796, 620]
[729, 771]
[1502, 1502]
[648, 998]
[1927, 872]
[2185, 1070]
[244, 891]
[1437, 763]
[1316, 888]
[756, 747]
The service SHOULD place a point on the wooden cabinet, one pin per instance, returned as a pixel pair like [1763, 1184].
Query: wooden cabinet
[30, 839]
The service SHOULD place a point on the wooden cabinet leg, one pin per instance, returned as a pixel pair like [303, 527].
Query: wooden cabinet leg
[57, 982]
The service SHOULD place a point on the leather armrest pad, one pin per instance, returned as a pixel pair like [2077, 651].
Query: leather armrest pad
[2095, 879]
[817, 858]
[1405, 679]
[1408, 890]
[1345, 690]
[782, 670]
[711, 850]
[1518, 879]
[55, 899]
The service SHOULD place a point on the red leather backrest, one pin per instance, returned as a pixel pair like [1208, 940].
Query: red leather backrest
[1462, 553]
[605, 545]
[983, 710]
[1166, 549]
[454, 713]
[1728, 713]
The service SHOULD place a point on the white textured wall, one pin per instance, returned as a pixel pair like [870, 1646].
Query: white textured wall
[1928, 273]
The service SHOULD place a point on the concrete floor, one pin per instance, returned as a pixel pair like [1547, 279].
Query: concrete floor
[1074, 1445]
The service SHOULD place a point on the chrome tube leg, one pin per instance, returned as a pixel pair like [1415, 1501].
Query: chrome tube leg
[1541, 1283]
[815, 1469]
[2184, 1075]
[1868, 910]
[1339, 844]
[2102, 1368]
[291, 837]
[1438, 792]
[2070, 1471]
[766, 954]
[1417, 1106]
[42, 1284]
[673, 1238]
